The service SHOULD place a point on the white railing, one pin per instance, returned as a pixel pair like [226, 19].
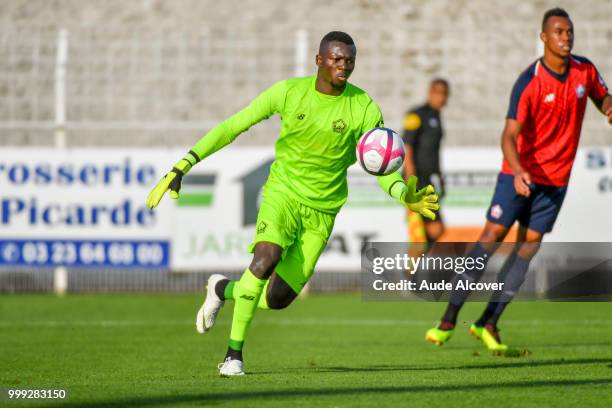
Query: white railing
[113, 80]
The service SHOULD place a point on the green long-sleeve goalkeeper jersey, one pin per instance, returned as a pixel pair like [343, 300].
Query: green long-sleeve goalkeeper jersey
[317, 141]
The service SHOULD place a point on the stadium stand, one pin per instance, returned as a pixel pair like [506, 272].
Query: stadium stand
[161, 73]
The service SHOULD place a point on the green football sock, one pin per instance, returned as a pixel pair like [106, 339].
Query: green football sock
[228, 292]
[247, 292]
[263, 301]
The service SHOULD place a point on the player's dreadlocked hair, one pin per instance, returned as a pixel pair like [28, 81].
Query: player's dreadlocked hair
[554, 12]
[339, 36]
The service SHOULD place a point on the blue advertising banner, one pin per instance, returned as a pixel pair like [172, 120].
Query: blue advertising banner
[84, 253]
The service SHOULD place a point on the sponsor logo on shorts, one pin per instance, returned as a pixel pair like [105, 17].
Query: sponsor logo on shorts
[261, 228]
[496, 211]
[339, 126]
[247, 297]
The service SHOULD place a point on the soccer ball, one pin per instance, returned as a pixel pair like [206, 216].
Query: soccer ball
[380, 151]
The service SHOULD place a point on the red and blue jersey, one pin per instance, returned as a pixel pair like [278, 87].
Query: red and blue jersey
[550, 108]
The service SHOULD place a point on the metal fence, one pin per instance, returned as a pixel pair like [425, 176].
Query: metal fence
[130, 85]
[148, 85]
[144, 280]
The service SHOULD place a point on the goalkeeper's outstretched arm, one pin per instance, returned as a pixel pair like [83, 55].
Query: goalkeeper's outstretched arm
[265, 105]
[423, 201]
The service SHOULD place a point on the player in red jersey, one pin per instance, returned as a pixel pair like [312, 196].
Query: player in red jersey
[539, 144]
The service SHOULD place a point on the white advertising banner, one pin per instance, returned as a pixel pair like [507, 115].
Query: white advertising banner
[81, 207]
[216, 234]
[471, 174]
[217, 212]
[86, 207]
[585, 215]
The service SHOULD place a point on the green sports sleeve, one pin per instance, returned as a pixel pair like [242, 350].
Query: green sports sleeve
[266, 104]
[392, 184]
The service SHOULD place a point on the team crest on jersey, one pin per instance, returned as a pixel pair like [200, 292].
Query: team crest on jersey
[580, 90]
[339, 126]
[549, 98]
[261, 228]
[496, 211]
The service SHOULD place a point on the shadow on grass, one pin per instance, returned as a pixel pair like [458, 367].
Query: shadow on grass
[293, 393]
[533, 345]
[500, 365]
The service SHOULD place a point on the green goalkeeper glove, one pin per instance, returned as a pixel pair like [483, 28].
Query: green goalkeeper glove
[423, 201]
[171, 181]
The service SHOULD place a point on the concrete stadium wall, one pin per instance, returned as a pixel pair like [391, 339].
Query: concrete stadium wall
[157, 73]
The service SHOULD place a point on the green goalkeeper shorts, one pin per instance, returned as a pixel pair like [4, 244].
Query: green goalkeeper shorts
[300, 230]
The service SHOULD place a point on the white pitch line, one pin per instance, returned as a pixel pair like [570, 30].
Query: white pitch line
[283, 322]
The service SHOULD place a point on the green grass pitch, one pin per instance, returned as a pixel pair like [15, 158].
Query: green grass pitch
[325, 350]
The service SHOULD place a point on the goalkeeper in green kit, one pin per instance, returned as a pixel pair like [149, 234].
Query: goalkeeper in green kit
[322, 120]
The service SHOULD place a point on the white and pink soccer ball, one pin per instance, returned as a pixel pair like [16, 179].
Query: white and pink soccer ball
[380, 151]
